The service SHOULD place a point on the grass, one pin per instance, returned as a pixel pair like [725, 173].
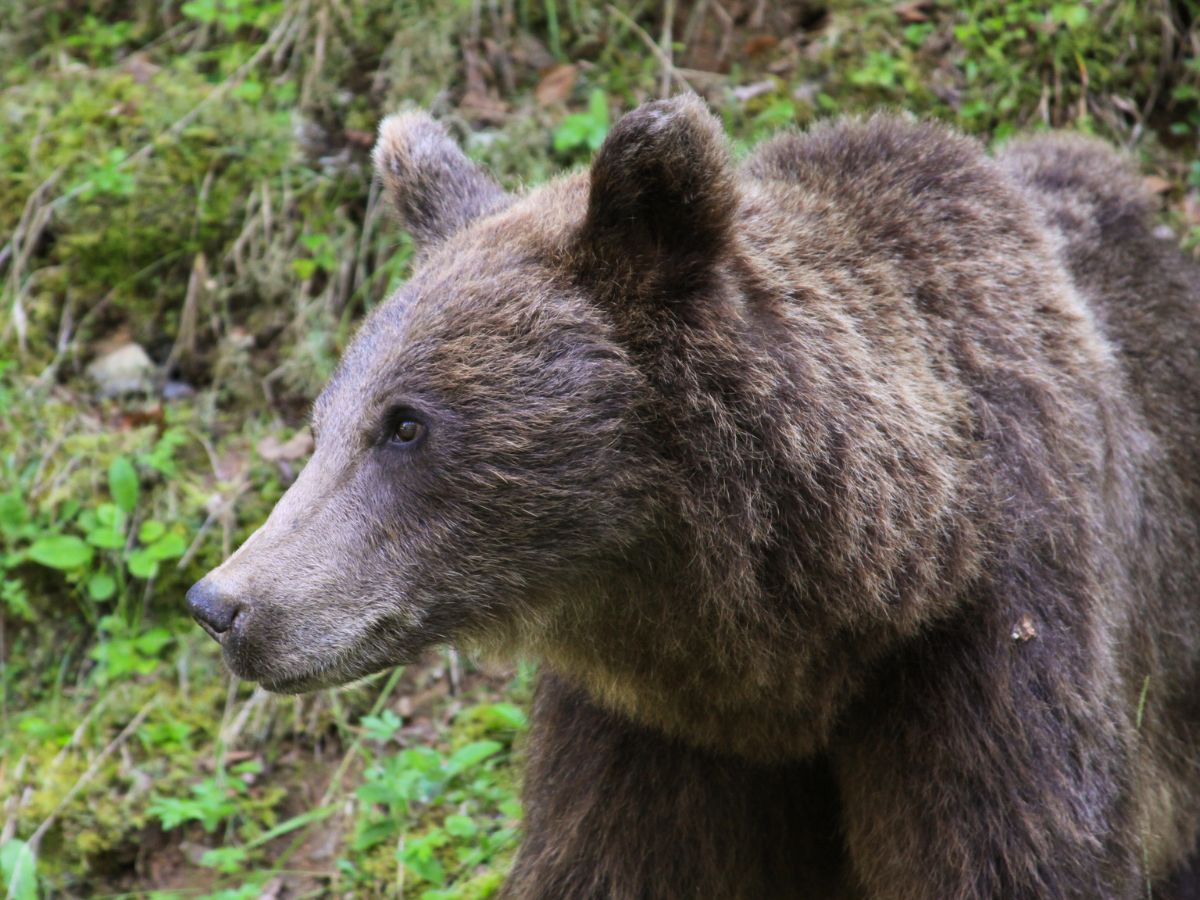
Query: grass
[192, 177]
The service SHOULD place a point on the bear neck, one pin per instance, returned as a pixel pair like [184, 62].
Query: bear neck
[812, 517]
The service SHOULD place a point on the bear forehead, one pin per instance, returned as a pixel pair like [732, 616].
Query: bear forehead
[459, 335]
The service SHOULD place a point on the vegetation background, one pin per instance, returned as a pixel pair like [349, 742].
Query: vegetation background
[189, 233]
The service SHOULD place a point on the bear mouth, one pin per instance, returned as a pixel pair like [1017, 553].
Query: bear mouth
[321, 677]
[301, 684]
[283, 668]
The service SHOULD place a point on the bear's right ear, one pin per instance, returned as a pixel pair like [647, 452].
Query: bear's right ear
[663, 196]
[428, 178]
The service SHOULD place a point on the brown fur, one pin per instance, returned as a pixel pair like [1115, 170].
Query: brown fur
[849, 496]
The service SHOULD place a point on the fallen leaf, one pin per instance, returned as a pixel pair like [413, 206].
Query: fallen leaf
[913, 11]
[760, 43]
[140, 418]
[363, 139]
[298, 446]
[1156, 184]
[556, 84]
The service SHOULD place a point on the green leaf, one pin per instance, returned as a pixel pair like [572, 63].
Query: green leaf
[374, 833]
[224, 859]
[152, 641]
[1073, 15]
[169, 546]
[106, 538]
[142, 565]
[313, 815]
[16, 599]
[101, 586]
[18, 866]
[503, 715]
[60, 551]
[150, 531]
[585, 129]
[382, 727]
[305, 268]
[461, 826]
[251, 91]
[12, 512]
[123, 483]
[471, 755]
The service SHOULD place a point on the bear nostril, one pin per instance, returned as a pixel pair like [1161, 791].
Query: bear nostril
[215, 611]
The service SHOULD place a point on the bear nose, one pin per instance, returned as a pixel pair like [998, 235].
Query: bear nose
[214, 610]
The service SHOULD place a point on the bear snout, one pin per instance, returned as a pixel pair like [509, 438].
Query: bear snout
[214, 608]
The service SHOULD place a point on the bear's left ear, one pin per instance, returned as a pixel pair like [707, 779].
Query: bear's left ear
[663, 195]
[434, 187]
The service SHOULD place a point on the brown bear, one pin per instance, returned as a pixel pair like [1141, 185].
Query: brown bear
[849, 497]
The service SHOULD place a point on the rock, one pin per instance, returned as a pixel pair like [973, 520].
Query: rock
[125, 370]
[177, 390]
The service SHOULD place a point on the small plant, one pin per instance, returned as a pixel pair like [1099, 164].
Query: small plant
[212, 801]
[447, 815]
[122, 650]
[97, 548]
[232, 14]
[584, 130]
[321, 258]
[108, 178]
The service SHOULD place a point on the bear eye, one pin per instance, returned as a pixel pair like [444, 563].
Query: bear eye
[407, 431]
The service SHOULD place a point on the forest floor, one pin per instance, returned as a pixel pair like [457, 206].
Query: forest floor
[188, 235]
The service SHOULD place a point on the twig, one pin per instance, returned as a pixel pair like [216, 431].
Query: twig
[726, 21]
[651, 45]
[230, 734]
[667, 49]
[185, 335]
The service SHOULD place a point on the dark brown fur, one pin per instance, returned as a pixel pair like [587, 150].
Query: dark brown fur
[849, 497]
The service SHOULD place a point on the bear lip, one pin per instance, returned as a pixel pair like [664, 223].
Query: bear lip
[301, 684]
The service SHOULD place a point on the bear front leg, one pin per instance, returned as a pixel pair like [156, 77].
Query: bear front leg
[617, 811]
[992, 763]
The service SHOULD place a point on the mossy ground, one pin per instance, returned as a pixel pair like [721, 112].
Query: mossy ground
[193, 177]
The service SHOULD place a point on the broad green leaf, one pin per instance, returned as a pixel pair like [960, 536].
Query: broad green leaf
[502, 715]
[61, 551]
[153, 641]
[12, 512]
[170, 546]
[142, 565]
[105, 514]
[101, 586]
[107, 538]
[471, 755]
[150, 531]
[18, 865]
[123, 483]
[460, 826]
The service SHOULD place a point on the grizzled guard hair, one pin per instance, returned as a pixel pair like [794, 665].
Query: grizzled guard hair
[848, 496]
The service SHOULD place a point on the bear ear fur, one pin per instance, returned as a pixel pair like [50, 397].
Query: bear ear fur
[428, 178]
[663, 194]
